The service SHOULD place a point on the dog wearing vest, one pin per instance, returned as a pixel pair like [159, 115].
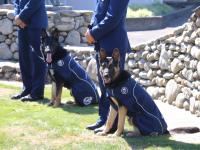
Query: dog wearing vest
[66, 72]
[128, 98]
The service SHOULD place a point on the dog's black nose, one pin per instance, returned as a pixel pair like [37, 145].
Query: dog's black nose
[106, 76]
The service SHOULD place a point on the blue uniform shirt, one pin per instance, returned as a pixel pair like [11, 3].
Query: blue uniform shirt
[108, 25]
[32, 12]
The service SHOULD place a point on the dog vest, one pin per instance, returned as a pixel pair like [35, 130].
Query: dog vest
[141, 107]
[76, 79]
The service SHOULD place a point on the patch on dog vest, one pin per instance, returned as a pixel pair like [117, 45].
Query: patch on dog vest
[124, 90]
[60, 63]
[87, 100]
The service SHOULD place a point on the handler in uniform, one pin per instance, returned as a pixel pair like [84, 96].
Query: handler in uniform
[31, 17]
[107, 30]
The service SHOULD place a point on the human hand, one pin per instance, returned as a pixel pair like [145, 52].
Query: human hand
[19, 22]
[89, 37]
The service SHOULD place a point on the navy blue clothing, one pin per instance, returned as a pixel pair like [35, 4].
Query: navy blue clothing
[141, 107]
[32, 66]
[32, 12]
[76, 78]
[108, 25]
[108, 29]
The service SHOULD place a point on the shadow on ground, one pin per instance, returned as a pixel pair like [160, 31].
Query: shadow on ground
[159, 142]
[74, 108]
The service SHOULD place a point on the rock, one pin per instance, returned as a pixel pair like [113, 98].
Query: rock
[69, 13]
[10, 14]
[8, 66]
[73, 38]
[188, 74]
[168, 75]
[153, 92]
[160, 81]
[6, 26]
[197, 42]
[5, 52]
[171, 91]
[186, 105]
[198, 68]
[146, 83]
[150, 74]
[154, 65]
[16, 56]
[2, 38]
[67, 19]
[179, 30]
[195, 52]
[135, 71]
[176, 66]
[180, 99]
[198, 22]
[197, 106]
[82, 31]
[65, 27]
[143, 75]
[7, 75]
[131, 55]
[192, 105]
[14, 47]
[132, 64]
[164, 61]
[141, 63]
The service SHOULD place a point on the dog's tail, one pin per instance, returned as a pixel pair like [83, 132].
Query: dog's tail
[184, 130]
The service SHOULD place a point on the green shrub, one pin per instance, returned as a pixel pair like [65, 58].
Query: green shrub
[157, 9]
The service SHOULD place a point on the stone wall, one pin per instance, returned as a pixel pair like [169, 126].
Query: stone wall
[168, 67]
[71, 24]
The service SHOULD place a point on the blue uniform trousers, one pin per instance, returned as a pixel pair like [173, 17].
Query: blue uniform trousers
[31, 63]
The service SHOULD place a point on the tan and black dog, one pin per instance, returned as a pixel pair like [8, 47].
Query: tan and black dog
[66, 72]
[128, 98]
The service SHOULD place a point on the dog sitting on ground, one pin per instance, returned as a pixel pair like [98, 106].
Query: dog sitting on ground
[127, 97]
[66, 72]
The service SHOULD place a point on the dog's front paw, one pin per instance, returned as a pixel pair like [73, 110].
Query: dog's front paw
[51, 103]
[101, 133]
[116, 134]
[56, 105]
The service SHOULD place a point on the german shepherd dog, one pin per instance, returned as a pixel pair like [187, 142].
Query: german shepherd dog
[127, 97]
[66, 72]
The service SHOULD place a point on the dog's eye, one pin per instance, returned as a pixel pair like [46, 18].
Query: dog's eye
[104, 64]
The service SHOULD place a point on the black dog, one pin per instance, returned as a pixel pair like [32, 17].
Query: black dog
[66, 72]
[129, 98]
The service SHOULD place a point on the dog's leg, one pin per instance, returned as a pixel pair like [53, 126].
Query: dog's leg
[110, 120]
[58, 94]
[122, 111]
[53, 94]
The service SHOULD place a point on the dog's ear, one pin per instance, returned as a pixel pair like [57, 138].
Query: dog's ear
[55, 34]
[102, 53]
[116, 54]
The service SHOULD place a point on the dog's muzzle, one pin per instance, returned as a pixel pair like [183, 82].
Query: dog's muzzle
[106, 75]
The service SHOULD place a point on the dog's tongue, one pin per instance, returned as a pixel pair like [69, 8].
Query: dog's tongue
[48, 59]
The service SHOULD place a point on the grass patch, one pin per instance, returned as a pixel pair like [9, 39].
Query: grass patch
[135, 11]
[35, 126]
